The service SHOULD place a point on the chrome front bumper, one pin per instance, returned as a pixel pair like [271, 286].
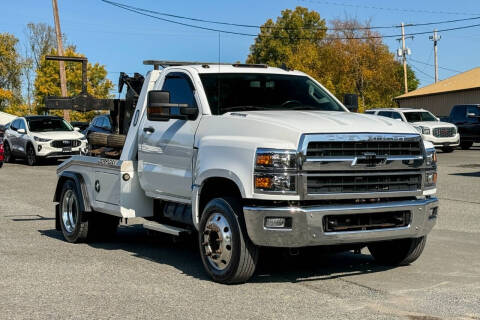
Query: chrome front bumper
[307, 223]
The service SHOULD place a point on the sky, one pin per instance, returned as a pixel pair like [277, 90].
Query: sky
[121, 40]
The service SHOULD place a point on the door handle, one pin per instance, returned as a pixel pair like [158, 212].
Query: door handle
[148, 130]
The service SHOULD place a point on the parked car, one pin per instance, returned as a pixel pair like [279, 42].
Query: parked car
[467, 118]
[443, 135]
[82, 125]
[101, 123]
[38, 137]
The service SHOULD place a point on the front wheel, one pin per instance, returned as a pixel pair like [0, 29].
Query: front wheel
[466, 145]
[398, 252]
[227, 253]
[7, 153]
[31, 156]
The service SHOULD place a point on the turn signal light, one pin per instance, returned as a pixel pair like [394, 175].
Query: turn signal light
[435, 176]
[264, 159]
[263, 182]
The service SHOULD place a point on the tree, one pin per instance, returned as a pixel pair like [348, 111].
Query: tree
[351, 58]
[40, 39]
[10, 70]
[47, 82]
[278, 41]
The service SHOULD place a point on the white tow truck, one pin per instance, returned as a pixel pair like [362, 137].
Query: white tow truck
[249, 156]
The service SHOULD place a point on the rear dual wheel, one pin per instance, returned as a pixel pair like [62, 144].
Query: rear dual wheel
[80, 226]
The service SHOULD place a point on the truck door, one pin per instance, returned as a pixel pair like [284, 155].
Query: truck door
[165, 148]
[458, 117]
[472, 125]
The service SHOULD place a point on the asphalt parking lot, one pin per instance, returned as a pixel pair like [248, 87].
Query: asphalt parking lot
[135, 276]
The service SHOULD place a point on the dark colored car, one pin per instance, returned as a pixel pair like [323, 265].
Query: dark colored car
[467, 118]
[80, 124]
[101, 123]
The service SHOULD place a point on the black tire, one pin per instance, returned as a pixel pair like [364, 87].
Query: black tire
[466, 145]
[447, 149]
[397, 252]
[88, 226]
[244, 254]
[116, 141]
[7, 153]
[30, 156]
[77, 229]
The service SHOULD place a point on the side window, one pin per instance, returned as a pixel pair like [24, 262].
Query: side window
[385, 114]
[181, 90]
[475, 110]
[459, 113]
[21, 125]
[14, 125]
[106, 123]
[396, 115]
[370, 112]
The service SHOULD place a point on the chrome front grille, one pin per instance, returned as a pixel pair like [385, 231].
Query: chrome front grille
[359, 148]
[353, 166]
[363, 182]
[444, 132]
[65, 143]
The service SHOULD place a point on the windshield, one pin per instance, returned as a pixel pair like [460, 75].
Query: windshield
[48, 124]
[255, 91]
[419, 116]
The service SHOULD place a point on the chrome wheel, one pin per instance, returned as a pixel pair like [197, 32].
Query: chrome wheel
[217, 241]
[69, 210]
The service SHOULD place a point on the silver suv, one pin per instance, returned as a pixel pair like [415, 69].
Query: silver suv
[38, 137]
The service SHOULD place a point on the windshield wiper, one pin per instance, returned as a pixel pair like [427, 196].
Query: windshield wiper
[244, 108]
[303, 107]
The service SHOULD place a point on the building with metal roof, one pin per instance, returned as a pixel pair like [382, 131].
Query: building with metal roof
[440, 97]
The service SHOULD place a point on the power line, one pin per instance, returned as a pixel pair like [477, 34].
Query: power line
[276, 27]
[298, 38]
[343, 4]
[418, 69]
[431, 65]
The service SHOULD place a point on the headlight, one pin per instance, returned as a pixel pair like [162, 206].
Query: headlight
[431, 172]
[425, 130]
[431, 158]
[40, 139]
[275, 170]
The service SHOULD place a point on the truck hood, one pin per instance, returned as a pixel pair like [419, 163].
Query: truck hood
[432, 124]
[283, 129]
[328, 121]
[58, 135]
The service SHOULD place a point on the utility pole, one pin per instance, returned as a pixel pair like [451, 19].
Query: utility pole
[403, 52]
[404, 56]
[63, 77]
[435, 38]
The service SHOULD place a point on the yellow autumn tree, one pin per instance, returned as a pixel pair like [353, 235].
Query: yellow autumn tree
[47, 83]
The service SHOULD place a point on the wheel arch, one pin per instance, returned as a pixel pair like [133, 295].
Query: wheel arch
[212, 187]
[79, 182]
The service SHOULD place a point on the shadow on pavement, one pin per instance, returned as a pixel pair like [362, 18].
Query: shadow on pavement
[275, 265]
[466, 174]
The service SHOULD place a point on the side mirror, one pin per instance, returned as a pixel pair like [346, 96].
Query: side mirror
[21, 131]
[471, 115]
[351, 102]
[76, 128]
[159, 107]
